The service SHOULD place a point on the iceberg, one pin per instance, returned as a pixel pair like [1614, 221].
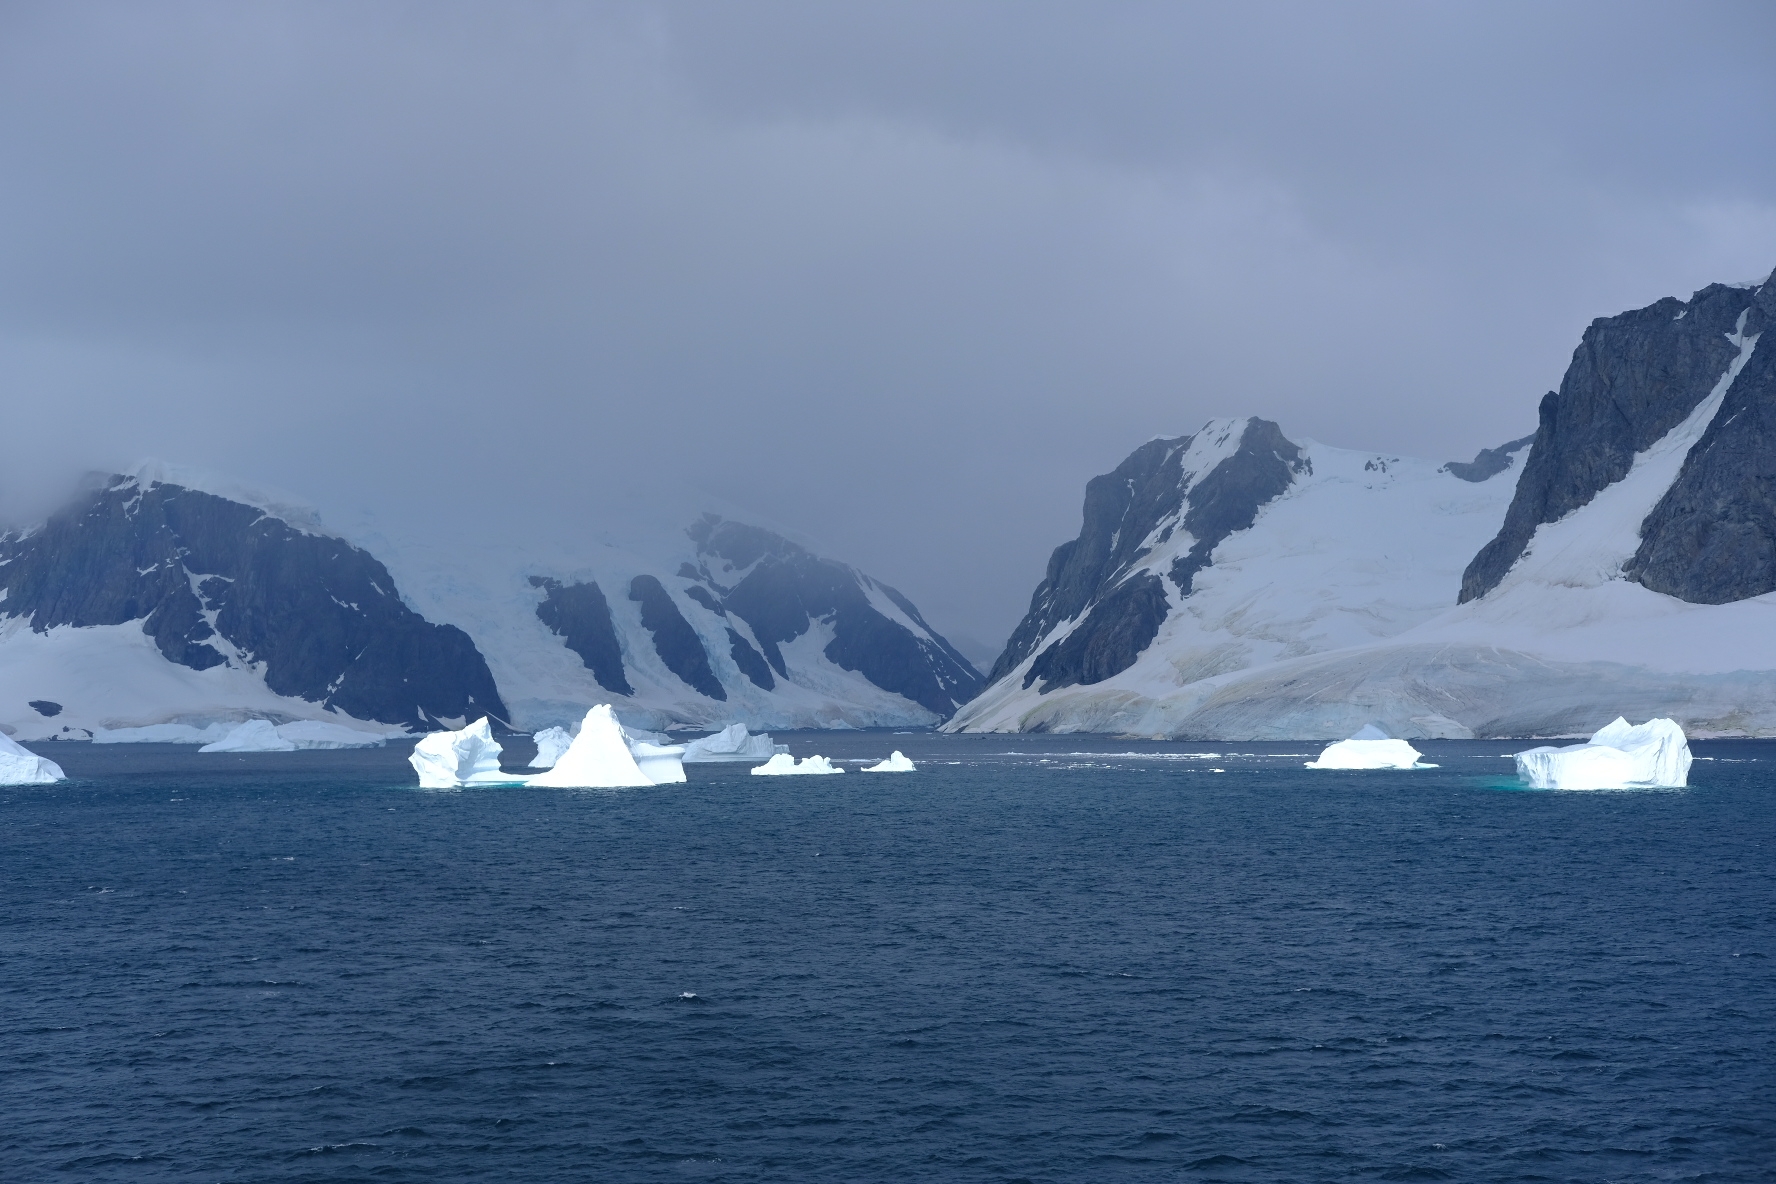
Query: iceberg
[261, 735]
[896, 763]
[600, 758]
[551, 743]
[1369, 748]
[450, 760]
[784, 765]
[732, 743]
[256, 735]
[20, 766]
[1619, 755]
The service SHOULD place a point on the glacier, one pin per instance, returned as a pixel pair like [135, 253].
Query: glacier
[20, 766]
[1655, 754]
[261, 735]
[784, 765]
[896, 763]
[1370, 748]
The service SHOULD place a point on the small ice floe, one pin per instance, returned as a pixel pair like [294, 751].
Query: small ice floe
[1370, 748]
[732, 743]
[451, 760]
[784, 765]
[896, 763]
[1619, 755]
[551, 743]
[602, 756]
[261, 735]
[20, 766]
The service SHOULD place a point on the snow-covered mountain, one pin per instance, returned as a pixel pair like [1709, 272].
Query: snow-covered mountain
[721, 622]
[150, 600]
[1236, 585]
[147, 602]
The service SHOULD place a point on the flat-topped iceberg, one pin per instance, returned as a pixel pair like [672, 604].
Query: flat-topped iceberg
[784, 765]
[451, 760]
[1620, 755]
[261, 735]
[1369, 748]
[732, 743]
[600, 758]
[551, 743]
[896, 763]
[20, 766]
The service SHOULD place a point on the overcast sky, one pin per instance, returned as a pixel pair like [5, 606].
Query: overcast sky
[899, 276]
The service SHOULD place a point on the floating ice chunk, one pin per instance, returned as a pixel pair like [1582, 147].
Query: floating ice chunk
[256, 735]
[1618, 756]
[20, 766]
[598, 758]
[897, 763]
[469, 756]
[732, 743]
[1370, 748]
[551, 743]
[783, 765]
[161, 734]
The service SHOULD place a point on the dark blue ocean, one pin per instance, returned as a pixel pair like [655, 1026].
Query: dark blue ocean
[1032, 960]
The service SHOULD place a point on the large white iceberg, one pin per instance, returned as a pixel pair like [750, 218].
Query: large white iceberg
[1370, 748]
[600, 758]
[469, 756]
[896, 763]
[783, 765]
[1618, 756]
[551, 743]
[732, 743]
[261, 735]
[20, 766]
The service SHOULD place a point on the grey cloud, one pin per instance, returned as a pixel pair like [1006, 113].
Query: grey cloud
[898, 276]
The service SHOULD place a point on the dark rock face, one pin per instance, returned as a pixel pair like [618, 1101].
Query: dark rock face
[1229, 498]
[751, 664]
[581, 616]
[1712, 538]
[1128, 511]
[674, 640]
[780, 589]
[1107, 642]
[1487, 463]
[215, 581]
[44, 708]
[1633, 378]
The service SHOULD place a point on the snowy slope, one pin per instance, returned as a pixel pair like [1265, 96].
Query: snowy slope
[1360, 547]
[1339, 605]
[527, 607]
